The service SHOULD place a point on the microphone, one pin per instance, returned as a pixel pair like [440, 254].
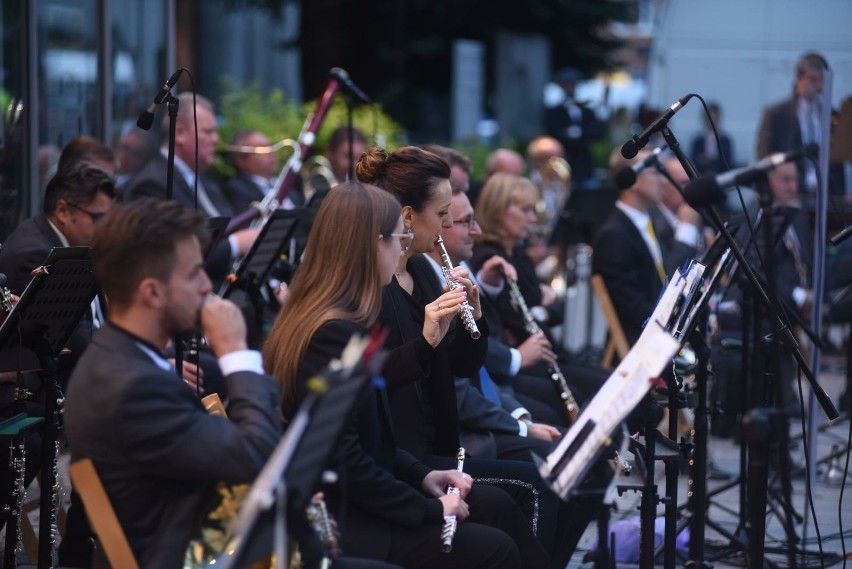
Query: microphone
[710, 190]
[632, 147]
[348, 86]
[626, 177]
[146, 117]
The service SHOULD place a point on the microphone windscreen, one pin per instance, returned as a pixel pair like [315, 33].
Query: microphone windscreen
[703, 192]
[625, 178]
[630, 149]
[145, 120]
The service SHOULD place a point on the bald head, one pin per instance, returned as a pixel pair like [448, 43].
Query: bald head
[505, 160]
[542, 149]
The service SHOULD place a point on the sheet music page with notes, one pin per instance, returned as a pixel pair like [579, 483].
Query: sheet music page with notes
[621, 393]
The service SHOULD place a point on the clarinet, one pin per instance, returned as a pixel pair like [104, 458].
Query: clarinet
[466, 310]
[448, 532]
[320, 519]
[532, 327]
[6, 303]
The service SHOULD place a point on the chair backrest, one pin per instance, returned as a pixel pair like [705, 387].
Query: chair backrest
[102, 516]
[617, 343]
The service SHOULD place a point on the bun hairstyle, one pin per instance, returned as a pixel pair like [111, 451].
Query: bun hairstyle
[410, 173]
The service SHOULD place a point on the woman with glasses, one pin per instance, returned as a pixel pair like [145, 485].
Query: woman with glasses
[394, 505]
[429, 346]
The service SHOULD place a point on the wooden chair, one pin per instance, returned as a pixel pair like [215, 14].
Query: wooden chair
[617, 342]
[101, 514]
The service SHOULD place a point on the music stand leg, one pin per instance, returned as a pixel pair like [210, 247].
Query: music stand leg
[699, 457]
[648, 505]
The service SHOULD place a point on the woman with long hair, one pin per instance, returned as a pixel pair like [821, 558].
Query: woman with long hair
[422, 366]
[394, 504]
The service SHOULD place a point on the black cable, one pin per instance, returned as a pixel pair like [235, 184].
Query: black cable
[842, 488]
[808, 493]
[748, 220]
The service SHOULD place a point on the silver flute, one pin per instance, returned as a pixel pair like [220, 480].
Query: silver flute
[448, 531]
[532, 328]
[466, 311]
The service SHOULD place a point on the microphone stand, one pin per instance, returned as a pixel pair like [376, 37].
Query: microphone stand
[782, 334]
[350, 107]
[172, 105]
[786, 336]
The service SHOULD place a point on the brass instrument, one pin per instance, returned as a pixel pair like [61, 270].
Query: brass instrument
[317, 165]
[301, 148]
[448, 531]
[466, 310]
[240, 149]
[532, 327]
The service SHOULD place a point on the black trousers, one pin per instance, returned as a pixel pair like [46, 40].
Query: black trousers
[532, 509]
[484, 540]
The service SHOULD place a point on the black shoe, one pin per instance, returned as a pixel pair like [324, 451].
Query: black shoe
[715, 473]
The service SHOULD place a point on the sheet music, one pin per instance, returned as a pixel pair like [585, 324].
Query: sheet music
[590, 434]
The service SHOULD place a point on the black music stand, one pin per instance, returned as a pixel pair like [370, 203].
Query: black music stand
[254, 269]
[32, 337]
[216, 226]
[309, 213]
[291, 475]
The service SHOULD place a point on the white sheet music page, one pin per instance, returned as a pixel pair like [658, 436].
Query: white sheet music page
[632, 379]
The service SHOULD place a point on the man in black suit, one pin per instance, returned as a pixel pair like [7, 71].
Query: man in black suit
[708, 155]
[256, 171]
[796, 122]
[576, 127]
[155, 448]
[627, 253]
[75, 199]
[150, 181]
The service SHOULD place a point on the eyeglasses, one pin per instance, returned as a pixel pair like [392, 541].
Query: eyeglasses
[466, 223]
[405, 240]
[95, 216]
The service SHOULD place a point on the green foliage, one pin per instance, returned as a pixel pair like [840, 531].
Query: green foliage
[278, 117]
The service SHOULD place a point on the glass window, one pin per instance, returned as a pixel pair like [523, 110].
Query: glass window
[14, 199]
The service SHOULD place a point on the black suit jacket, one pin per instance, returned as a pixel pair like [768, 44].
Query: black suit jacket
[780, 132]
[382, 480]
[25, 249]
[155, 448]
[420, 378]
[241, 191]
[150, 181]
[628, 269]
[705, 165]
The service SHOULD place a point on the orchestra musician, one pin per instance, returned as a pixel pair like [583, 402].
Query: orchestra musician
[156, 449]
[394, 504]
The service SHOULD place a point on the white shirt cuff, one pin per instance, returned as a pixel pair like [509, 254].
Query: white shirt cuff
[515, 364]
[799, 296]
[235, 248]
[522, 429]
[520, 412]
[241, 360]
[687, 233]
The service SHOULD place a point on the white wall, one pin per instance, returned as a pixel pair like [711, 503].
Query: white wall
[741, 53]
